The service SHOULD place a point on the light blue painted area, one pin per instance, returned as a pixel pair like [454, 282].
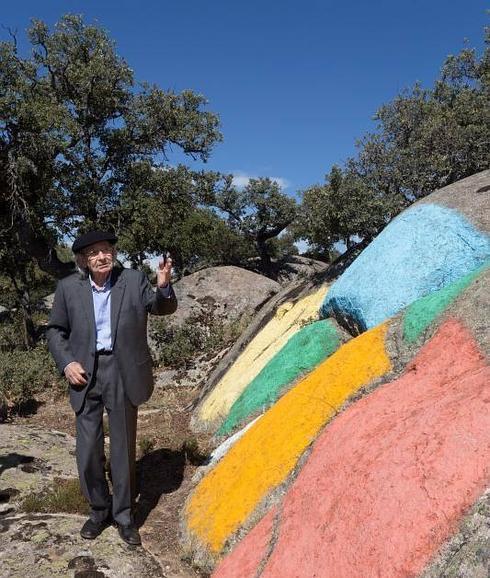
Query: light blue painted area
[424, 249]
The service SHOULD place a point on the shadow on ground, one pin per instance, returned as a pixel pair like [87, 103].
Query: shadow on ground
[159, 472]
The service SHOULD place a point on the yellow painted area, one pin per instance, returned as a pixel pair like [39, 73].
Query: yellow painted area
[270, 449]
[285, 323]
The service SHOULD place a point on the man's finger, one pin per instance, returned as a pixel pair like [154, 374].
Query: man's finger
[76, 374]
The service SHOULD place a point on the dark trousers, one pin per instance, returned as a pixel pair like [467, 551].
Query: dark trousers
[106, 391]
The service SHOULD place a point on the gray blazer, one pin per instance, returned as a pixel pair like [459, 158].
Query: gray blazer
[71, 329]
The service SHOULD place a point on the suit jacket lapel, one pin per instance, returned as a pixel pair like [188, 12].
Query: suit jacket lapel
[88, 305]
[117, 293]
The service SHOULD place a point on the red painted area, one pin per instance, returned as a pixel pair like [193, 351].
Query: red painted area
[388, 481]
[246, 557]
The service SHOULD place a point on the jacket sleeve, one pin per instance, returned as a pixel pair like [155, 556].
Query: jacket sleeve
[160, 302]
[58, 331]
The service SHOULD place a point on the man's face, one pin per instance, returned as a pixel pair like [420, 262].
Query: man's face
[99, 258]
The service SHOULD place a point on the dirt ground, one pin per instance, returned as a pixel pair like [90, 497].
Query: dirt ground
[168, 456]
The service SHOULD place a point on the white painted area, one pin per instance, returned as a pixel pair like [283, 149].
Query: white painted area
[222, 449]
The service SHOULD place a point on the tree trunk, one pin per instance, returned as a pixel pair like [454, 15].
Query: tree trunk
[265, 258]
[24, 301]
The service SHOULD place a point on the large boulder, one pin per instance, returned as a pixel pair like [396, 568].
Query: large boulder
[407, 401]
[386, 484]
[227, 291]
[282, 318]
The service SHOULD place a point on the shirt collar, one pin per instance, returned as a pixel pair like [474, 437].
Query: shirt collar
[107, 285]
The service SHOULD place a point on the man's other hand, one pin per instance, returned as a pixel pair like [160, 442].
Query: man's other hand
[75, 374]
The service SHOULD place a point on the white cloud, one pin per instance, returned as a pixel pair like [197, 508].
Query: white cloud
[241, 179]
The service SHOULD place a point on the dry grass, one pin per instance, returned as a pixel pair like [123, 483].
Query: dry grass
[63, 496]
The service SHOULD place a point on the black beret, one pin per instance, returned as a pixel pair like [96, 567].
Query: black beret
[92, 237]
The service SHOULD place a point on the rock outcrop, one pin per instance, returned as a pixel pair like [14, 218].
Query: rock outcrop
[377, 461]
[50, 546]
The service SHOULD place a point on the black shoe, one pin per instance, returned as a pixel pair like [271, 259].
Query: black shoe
[90, 530]
[130, 534]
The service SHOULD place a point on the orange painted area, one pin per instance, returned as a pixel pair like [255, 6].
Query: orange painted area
[267, 453]
[248, 555]
[287, 321]
[389, 480]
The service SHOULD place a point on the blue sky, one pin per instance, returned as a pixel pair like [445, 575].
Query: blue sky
[295, 83]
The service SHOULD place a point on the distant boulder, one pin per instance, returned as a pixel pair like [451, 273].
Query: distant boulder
[297, 266]
[229, 291]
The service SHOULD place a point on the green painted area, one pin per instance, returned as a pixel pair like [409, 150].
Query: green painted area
[422, 312]
[304, 351]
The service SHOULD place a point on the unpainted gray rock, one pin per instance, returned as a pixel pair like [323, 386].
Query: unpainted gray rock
[469, 196]
[467, 554]
[50, 546]
[30, 459]
[228, 291]
[298, 267]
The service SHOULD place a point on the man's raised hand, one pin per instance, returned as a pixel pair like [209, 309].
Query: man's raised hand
[164, 271]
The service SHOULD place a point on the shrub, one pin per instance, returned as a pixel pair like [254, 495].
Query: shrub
[202, 334]
[11, 332]
[194, 453]
[23, 374]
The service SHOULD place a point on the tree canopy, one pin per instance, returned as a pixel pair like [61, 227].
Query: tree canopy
[81, 142]
[260, 212]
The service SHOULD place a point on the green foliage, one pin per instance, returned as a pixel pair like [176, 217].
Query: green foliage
[81, 143]
[430, 138]
[425, 139]
[64, 495]
[201, 334]
[194, 454]
[283, 245]
[342, 208]
[205, 239]
[23, 374]
[260, 212]
[146, 446]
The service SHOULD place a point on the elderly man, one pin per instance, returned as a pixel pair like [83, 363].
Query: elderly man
[97, 336]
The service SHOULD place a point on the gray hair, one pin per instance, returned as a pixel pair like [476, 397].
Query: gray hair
[83, 271]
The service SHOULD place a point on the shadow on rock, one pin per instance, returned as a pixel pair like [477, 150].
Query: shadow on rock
[13, 460]
[159, 472]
